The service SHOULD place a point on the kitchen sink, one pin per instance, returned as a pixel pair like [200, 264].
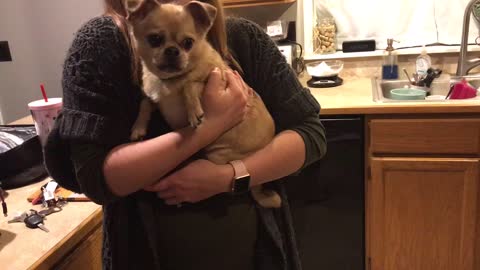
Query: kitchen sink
[381, 89]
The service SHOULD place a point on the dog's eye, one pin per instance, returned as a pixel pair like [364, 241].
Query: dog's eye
[155, 40]
[187, 43]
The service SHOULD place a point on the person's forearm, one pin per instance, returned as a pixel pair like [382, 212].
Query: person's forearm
[284, 155]
[130, 167]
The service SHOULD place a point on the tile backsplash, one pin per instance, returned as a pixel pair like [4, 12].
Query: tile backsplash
[372, 66]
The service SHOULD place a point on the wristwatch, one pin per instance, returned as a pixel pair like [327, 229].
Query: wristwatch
[241, 178]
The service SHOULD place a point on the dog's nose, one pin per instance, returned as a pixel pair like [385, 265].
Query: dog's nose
[171, 51]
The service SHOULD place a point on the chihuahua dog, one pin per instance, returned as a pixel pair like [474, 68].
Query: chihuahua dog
[177, 60]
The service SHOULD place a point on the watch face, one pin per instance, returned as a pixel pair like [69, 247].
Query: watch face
[242, 185]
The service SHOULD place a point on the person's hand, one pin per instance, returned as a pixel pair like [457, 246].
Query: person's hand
[225, 101]
[197, 181]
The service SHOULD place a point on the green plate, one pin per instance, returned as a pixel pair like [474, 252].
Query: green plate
[407, 94]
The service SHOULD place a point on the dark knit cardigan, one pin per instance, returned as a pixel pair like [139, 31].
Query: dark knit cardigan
[101, 103]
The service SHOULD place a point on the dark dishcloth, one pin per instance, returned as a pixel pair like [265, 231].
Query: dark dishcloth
[100, 105]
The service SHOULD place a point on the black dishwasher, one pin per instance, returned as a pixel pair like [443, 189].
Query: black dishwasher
[327, 200]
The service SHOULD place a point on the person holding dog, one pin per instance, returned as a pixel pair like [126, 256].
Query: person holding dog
[166, 207]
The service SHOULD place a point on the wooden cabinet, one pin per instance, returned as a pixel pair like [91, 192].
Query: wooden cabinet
[423, 213]
[87, 256]
[423, 194]
[81, 249]
[247, 3]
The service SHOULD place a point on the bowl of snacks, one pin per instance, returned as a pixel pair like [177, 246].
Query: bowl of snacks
[324, 73]
[323, 69]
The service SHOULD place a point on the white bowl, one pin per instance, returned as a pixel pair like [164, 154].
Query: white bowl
[435, 97]
[324, 68]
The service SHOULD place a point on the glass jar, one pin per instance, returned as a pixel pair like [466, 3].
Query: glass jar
[324, 36]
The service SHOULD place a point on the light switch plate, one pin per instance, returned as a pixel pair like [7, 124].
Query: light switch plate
[5, 55]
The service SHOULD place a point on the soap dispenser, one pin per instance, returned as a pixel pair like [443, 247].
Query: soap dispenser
[390, 62]
[423, 63]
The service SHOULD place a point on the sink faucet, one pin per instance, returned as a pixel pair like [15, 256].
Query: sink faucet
[464, 64]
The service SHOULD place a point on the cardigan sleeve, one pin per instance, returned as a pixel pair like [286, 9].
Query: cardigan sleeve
[88, 162]
[95, 74]
[97, 106]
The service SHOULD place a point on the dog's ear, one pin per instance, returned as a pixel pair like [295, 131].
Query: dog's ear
[203, 14]
[139, 9]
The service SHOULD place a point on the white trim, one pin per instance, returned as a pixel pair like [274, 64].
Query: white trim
[307, 27]
[1, 117]
[300, 23]
[376, 53]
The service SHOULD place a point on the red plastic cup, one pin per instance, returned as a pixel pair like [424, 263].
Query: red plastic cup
[44, 115]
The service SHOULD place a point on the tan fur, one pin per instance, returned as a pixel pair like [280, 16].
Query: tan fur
[177, 94]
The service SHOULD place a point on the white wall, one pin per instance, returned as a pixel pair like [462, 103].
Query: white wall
[39, 34]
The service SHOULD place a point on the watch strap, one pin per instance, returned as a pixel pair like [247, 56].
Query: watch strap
[239, 169]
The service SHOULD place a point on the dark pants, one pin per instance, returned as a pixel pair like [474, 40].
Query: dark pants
[222, 232]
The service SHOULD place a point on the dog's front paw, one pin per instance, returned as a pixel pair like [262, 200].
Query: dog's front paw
[195, 116]
[195, 120]
[138, 133]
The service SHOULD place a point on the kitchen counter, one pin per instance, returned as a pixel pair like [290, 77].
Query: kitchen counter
[24, 248]
[355, 97]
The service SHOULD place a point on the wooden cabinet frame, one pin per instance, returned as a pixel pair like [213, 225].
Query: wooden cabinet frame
[431, 209]
[392, 171]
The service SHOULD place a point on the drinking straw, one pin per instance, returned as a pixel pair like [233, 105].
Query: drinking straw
[43, 92]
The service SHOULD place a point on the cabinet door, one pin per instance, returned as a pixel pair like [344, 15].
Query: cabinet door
[423, 213]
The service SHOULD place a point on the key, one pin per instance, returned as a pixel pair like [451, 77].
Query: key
[50, 210]
[19, 218]
[35, 221]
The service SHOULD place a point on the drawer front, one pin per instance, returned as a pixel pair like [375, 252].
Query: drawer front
[425, 136]
[87, 256]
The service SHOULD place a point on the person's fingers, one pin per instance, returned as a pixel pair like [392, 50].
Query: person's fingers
[246, 88]
[215, 81]
[167, 194]
[239, 79]
[241, 91]
[162, 185]
[232, 80]
[173, 201]
[166, 198]
[238, 75]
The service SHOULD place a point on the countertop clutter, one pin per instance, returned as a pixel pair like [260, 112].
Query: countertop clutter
[70, 229]
[354, 96]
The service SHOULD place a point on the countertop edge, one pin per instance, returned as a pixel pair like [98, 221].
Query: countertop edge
[399, 109]
[69, 242]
